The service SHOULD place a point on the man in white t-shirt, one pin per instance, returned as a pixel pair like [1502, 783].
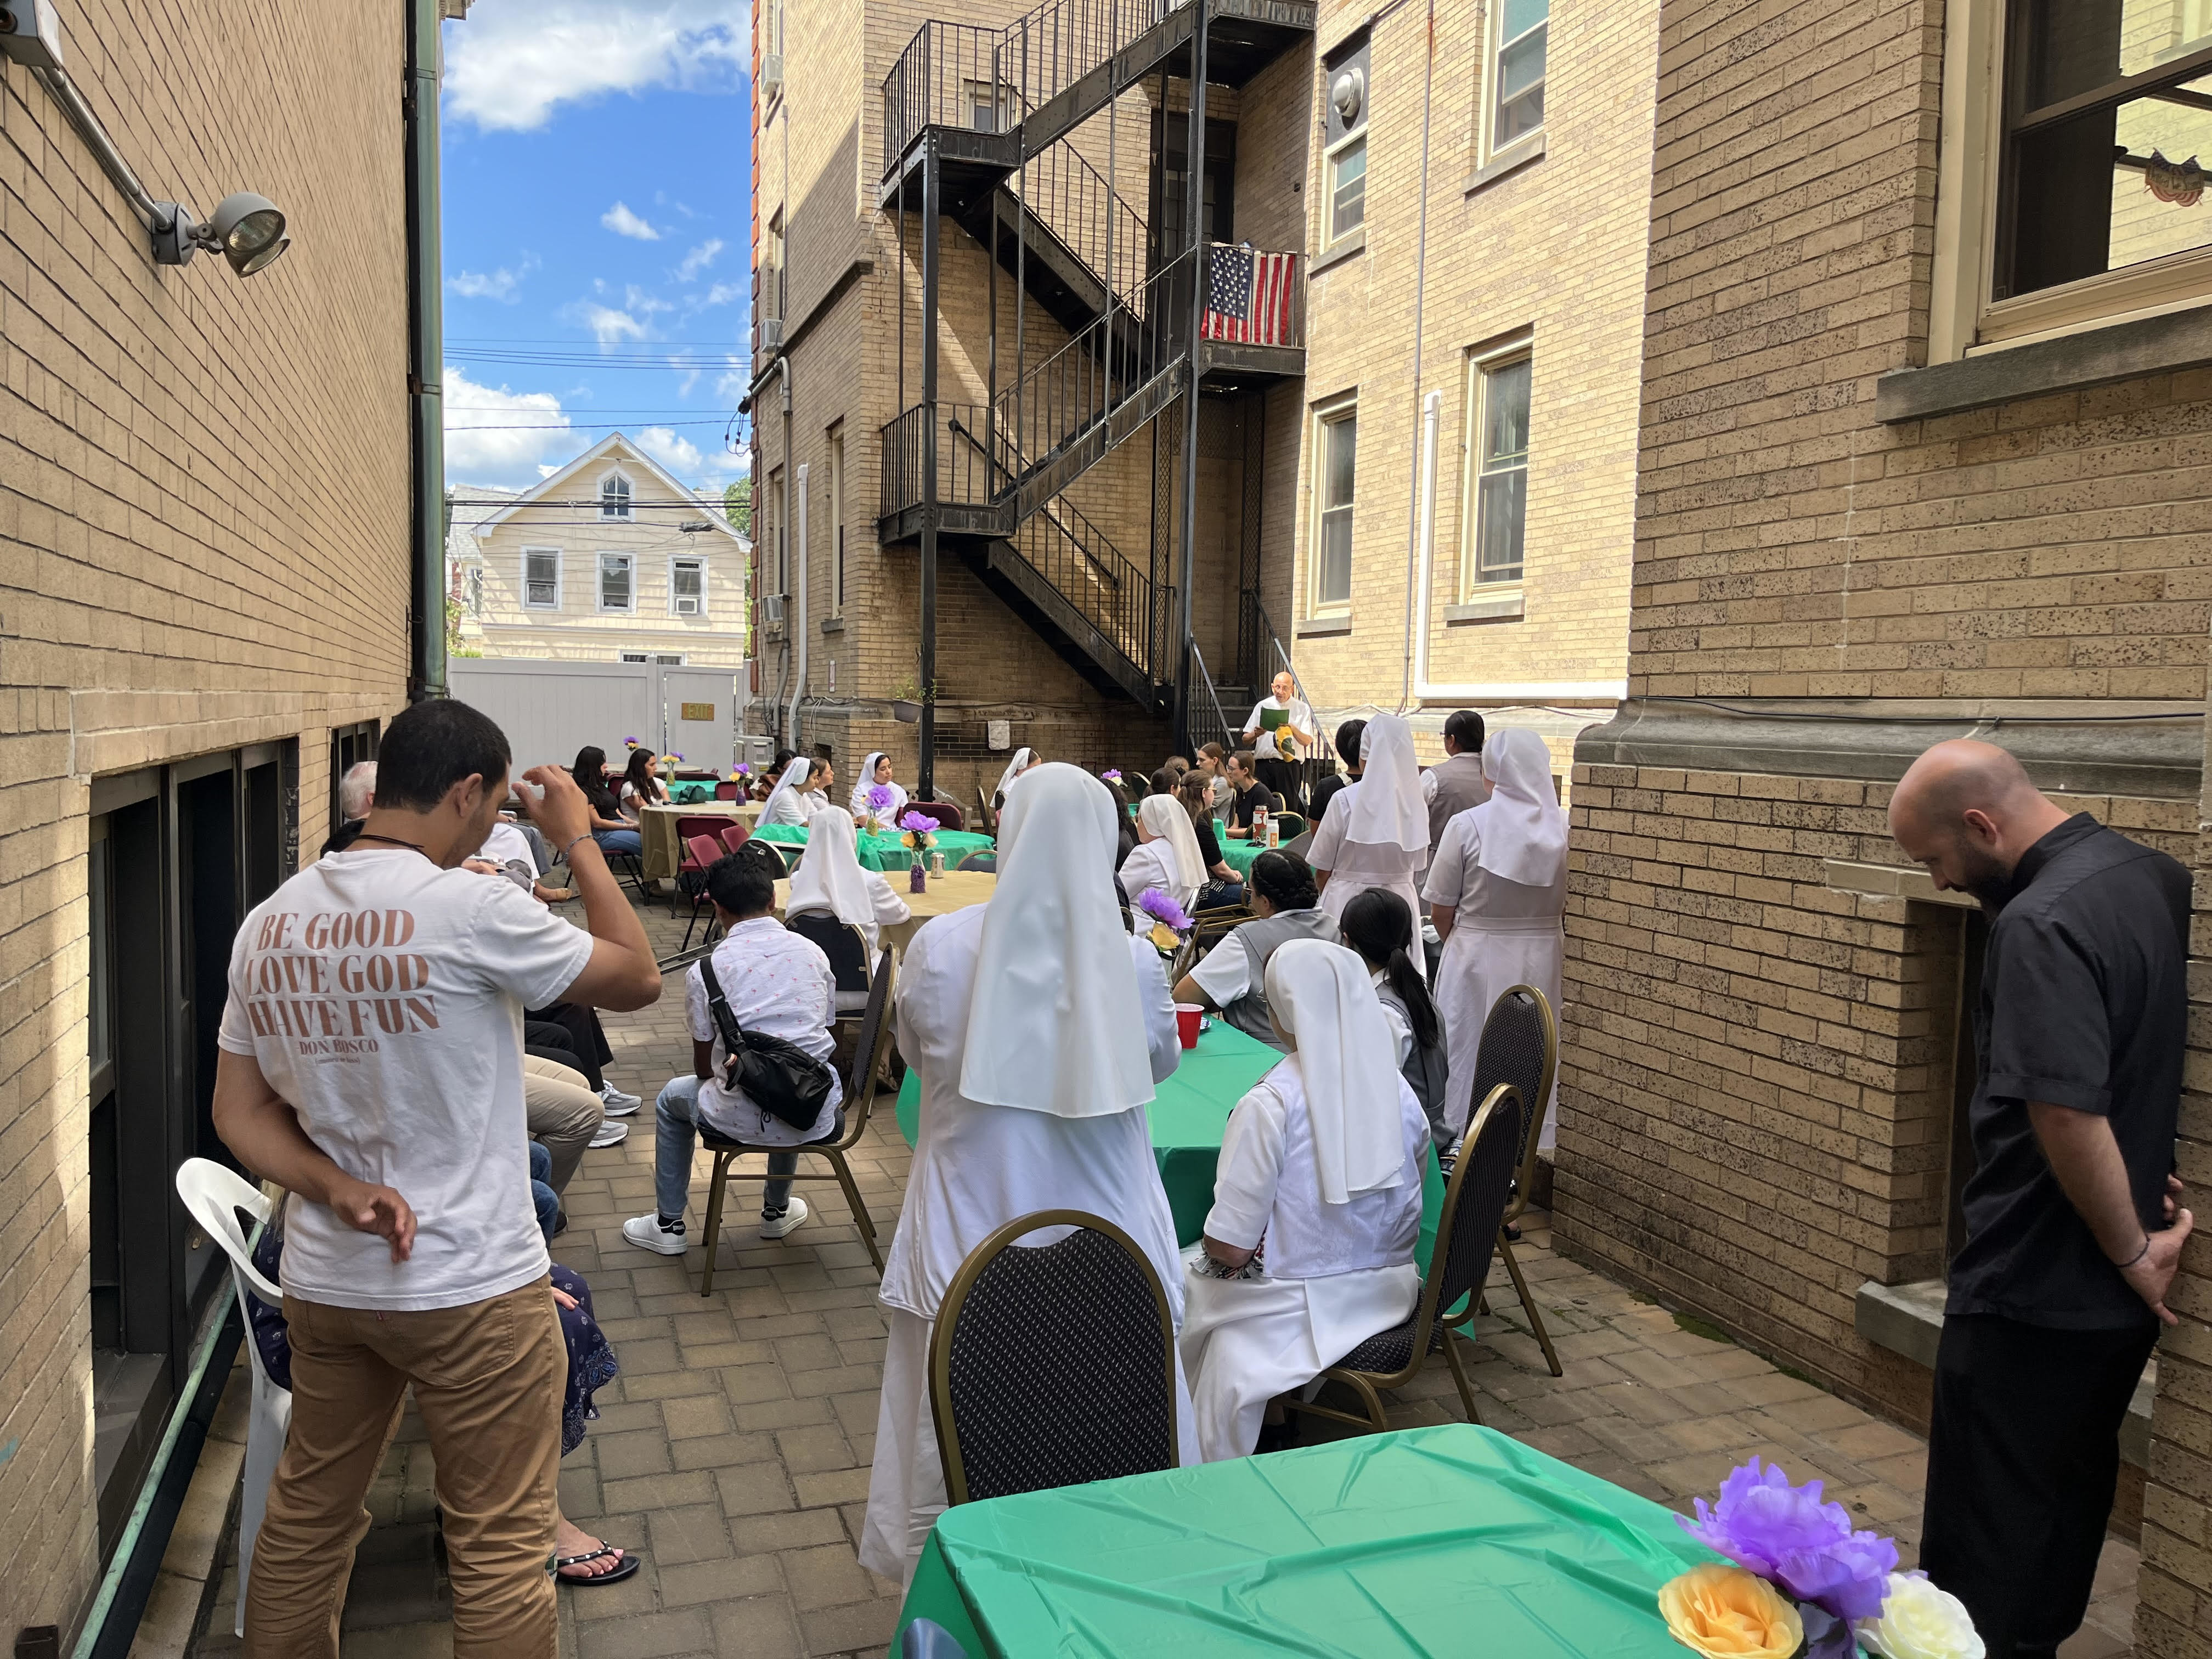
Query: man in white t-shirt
[372, 1065]
[1279, 756]
[777, 982]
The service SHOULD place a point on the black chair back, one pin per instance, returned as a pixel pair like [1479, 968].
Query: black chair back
[874, 1036]
[766, 855]
[1520, 1046]
[1054, 1365]
[986, 861]
[841, 942]
[1474, 1204]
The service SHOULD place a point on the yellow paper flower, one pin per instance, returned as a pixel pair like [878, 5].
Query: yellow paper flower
[1723, 1611]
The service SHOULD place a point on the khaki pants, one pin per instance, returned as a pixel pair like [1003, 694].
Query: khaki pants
[488, 1380]
[562, 1113]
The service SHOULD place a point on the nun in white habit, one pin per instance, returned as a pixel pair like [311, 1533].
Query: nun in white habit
[1044, 972]
[1376, 831]
[786, 803]
[1497, 894]
[1025, 760]
[1166, 856]
[829, 878]
[876, 773]
[1317, 1198]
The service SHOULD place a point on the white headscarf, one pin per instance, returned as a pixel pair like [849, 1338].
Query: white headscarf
[1323, 995]
[1523, 827]
[1022, 757]
[1164, 815]
[1388, 810]
[1055, 1024]
[867, 781]
[828, 876]
[793, 776]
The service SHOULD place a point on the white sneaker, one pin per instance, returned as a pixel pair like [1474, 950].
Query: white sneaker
[648, 1234]
[780, 1226]
[610, 1133]
[617, 1103]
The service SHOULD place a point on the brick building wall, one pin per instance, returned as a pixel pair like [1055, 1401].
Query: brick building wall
[203, 544]
[1760, 1038]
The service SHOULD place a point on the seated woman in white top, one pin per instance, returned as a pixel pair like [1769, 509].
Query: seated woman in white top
[1166, 856]
[829, 880]
[641, 786]
[876, 773]
[1376, 831]
[1038, 1045]
[1232, 978]
[1025, 760]
[802, 791]
[1321, 1164]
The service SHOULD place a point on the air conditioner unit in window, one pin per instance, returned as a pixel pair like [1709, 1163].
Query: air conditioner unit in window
[771, 75]
[687, 605]
[771, 607]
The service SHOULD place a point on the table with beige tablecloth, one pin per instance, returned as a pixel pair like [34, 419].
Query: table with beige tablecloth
[956, 890]
[656, 828]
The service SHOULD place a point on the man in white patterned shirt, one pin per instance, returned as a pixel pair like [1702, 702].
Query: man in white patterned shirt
[777, 982]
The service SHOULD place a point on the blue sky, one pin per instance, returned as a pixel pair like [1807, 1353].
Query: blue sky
[597, 174]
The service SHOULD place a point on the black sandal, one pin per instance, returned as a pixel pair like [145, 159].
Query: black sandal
[629, 1567]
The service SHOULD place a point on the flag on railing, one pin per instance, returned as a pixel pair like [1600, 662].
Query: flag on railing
[1247, 296]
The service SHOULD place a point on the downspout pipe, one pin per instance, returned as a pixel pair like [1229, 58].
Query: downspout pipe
[797, 603]
[426, 327]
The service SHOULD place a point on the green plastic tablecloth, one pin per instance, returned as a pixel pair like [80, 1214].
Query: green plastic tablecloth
[887, 852]
[1437, 1541]
[1188, 1117]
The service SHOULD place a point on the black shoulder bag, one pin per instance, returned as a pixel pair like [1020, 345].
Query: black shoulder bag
[780, 1078]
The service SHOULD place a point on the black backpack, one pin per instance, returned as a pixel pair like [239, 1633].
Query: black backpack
[780, 1078]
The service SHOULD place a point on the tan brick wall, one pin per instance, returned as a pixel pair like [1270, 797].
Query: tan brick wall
[203, 543]
[1555, 251]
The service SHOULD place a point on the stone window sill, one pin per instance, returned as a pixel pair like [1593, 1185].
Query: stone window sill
[1505, 165]
[2072, 362]
[1350, 248]
[1891, 881]
[833, 624]
[1491, 608]
[1312, 627]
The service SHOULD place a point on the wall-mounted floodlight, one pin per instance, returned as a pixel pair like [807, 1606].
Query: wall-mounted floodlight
[247, 229]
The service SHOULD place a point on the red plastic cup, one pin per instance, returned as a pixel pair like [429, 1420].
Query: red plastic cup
[1188, 1014]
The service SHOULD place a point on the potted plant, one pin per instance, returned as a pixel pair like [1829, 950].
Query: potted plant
[908, 697]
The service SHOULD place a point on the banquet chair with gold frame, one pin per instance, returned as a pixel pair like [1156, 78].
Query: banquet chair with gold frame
[870, 1054]
[1466, 1233]
[1520, 1045]
[1052, 1364]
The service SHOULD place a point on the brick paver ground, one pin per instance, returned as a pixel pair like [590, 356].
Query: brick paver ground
[733, 1449]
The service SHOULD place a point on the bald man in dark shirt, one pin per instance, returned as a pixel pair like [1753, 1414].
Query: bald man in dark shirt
[2073, 1229]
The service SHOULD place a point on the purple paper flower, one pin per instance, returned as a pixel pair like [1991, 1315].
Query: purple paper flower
[1786, 1534]
[1110, 775]
[920, 822]
[879, 797]
[1161, 908]
[632, 742]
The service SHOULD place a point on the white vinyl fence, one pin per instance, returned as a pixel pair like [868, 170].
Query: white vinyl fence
[550, 710]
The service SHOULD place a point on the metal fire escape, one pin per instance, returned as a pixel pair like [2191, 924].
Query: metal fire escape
[978, 128]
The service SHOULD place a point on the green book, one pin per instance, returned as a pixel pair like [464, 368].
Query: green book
[1274, 720]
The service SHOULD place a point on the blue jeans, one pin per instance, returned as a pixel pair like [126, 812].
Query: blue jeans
[541, 1192]
[619, 840]
[676, 1130]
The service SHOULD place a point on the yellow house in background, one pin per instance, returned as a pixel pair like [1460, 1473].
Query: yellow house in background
[608, 560]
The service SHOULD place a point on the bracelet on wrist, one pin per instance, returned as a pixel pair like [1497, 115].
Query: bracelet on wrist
[2137, 1256]
[572, 846]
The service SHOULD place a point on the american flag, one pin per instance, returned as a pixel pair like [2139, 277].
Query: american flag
[1248, 298]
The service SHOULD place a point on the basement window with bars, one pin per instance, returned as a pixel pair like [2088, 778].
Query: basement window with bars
[541, 578]
[618, 589]
[687, 586]
[1499, 418]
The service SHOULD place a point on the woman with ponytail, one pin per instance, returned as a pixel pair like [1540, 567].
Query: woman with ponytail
[1233, 977]
[1378, 925]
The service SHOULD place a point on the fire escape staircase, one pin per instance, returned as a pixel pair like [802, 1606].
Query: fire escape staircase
[992, 112]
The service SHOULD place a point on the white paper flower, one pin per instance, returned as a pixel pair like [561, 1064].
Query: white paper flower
[1919, 1621]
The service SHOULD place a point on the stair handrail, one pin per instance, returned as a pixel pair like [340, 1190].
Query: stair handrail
[1205, 678]
[1051, 509]
[1132, 237]
[1323, 743]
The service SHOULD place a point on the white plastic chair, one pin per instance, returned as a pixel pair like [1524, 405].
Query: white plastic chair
[214, 1195]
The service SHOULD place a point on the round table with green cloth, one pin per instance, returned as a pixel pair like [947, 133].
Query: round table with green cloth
[887, 852]
[1417, 1543]
[1188, 1117]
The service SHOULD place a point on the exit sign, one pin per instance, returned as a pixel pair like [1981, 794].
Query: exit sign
[698, 711]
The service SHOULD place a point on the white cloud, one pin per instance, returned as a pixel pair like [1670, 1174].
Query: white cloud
[730, 386]
[492, 284]
[685, 459]
[621, 221]
[698, 259]
[610, 326]
[721, 294]
[513, 62]
[636, 299]
[497, 437]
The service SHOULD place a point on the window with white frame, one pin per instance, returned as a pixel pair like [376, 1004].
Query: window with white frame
[1344, 154]
[1496, 520]
[618, 582]
[614, 496]
[1336, 454]
[687, 586]
[1513, 88]
[473, 590]
[541, 578]
[836, 446]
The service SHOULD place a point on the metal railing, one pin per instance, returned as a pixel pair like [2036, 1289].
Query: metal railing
[1049, 49]
[947, 76]
[963, 475]
[1263, 301]
[1109, 593]
[1071, 199]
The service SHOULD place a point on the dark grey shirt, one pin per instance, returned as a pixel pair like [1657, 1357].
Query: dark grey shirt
[2084, 1004]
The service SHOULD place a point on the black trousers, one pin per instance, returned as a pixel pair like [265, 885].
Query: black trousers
[1282, 777]
[574, 1027]
[2022, 1453]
